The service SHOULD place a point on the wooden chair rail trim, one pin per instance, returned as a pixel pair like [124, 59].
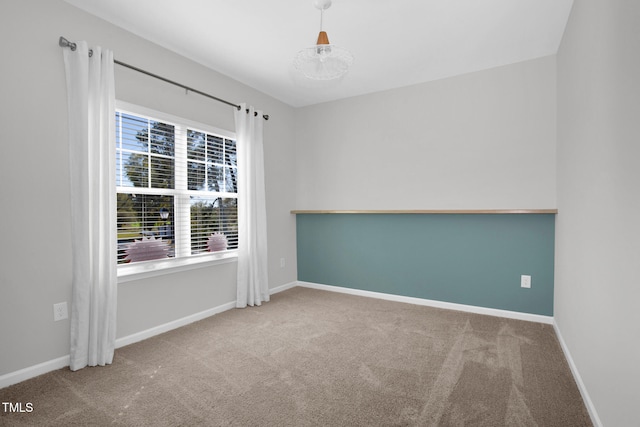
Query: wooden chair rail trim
[431, 211]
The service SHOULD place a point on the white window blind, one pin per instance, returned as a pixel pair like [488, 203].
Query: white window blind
[176, 187]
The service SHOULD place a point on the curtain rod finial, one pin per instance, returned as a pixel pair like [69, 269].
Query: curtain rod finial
[66, 43]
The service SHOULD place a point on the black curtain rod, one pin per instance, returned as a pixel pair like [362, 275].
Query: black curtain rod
[66, 43]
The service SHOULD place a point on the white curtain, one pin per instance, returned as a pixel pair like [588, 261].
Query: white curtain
[91, 105]
[253, 286]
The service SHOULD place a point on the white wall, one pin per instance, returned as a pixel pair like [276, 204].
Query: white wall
[484, 140]
[35, 259]
[597, 289]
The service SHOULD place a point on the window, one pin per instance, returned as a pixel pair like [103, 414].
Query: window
[176, 185]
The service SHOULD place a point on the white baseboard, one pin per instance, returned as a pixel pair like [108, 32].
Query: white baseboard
[157, 330]
[595, 419]
[433, 303]
[62, 362]
[283, 288]
[143, 335]
[33, 371]
[479, 310]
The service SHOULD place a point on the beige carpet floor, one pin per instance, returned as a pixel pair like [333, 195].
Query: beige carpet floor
[316, 358]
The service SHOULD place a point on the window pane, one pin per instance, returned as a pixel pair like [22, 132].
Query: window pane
[196, 144]
[216, 178]
[230, 155]
[215, 147]
[118, 127]
[231, 180]
[230, 213]
[162, 139]
[119, 170]
[140, 217]
[132, 170]
[196, 175]
[135, 133]
[162, 169]
[213, 215]
[145, 152]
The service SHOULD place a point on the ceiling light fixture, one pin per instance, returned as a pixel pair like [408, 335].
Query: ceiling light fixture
[324, 61]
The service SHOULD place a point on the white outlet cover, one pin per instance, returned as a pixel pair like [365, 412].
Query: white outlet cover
[525, 281]
[60, 311]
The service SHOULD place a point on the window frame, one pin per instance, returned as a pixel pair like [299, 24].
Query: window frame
[143, 269]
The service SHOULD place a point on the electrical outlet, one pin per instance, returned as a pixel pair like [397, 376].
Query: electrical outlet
[281, 262]
[525, 281]
[60, 311]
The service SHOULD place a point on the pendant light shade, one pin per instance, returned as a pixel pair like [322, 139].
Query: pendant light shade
[324, 61]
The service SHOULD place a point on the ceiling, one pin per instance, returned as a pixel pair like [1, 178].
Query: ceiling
[395, 43]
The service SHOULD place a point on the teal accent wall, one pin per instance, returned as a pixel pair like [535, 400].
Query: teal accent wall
[473, 259]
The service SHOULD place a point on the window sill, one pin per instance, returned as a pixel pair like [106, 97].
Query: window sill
[143, 270]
